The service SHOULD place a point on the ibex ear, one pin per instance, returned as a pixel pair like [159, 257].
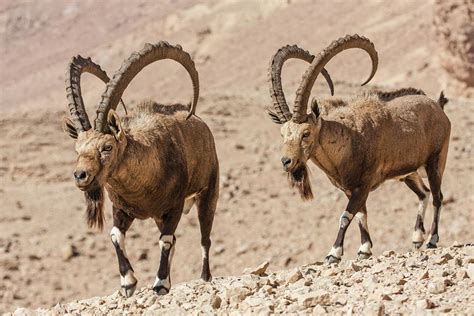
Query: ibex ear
[273, 116]
[114, 124]
[315, 107]
[69, 128]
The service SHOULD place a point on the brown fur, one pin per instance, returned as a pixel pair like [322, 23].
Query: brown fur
[176, 159]
[365, 141]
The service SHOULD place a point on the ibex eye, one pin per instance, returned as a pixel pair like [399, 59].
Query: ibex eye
[107, 148]
[306, 134]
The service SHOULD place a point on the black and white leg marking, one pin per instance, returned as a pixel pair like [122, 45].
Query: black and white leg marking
[434, 236]
[337, 249]
[415, 183]
[127, 278]
[162, 283]
[419, 231]
[365, 249]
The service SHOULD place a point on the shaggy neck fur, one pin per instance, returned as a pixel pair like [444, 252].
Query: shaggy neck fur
[95, 207]
[299, 179]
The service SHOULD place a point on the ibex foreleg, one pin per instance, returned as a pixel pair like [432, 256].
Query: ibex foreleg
[122, 223]
[357, 200]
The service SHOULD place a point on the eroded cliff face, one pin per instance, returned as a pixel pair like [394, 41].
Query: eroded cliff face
[454, 28]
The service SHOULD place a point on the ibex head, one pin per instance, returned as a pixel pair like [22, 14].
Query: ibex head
[97, 152]
[100, 149]
[300, 130]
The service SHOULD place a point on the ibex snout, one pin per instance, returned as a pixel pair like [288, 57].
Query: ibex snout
[82, 177]
[288, 163]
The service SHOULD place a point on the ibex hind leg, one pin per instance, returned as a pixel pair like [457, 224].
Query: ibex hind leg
[206, 205]
[415, 183]
[434, 169]
[167, 225]
[366, 245]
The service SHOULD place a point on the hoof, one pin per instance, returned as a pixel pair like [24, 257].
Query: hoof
[161, 290]
[129, 289]
[331, 259]
[363, 255]
[207, 278]
[417, 244]
[431, 246]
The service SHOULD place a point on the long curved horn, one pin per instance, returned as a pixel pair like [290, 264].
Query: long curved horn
[76, 68]
[274, 78]
[133, 65]
[304, 90]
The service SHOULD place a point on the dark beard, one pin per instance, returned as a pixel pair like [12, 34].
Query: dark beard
[95, 210]
[299, 178]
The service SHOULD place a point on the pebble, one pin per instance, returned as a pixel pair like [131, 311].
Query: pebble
[436, 286]
[470, 271]
[69, 252]
[314, 298]
[294, 276]
[216, 301]
[260, 270]
[425, 304]
[424, 275]
[237, 295]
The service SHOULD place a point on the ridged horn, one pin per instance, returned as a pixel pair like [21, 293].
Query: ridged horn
[274, 78]
[76, 68]
[132, 66]
[307, 82]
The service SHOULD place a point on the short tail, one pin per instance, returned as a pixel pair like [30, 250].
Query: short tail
[442, 100]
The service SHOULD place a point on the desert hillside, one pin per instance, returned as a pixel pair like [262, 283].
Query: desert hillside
[49, 256]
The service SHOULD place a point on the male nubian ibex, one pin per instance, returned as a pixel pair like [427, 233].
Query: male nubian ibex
[361, 143]
[156, 163]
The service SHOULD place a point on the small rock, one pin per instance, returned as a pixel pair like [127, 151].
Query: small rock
[319, 310]
[380, 267]
[69, 252]
[216, 301]
[424, 275]
[456, 244]
[401, 281]
[237, 294]
[470, 270]
[239, 147]
[386, 297]
[219, 249]
[355, 267]
[436, 287]
[314, 298]
[260, 270]
[425, 304]
[388, 253]
[294, 276]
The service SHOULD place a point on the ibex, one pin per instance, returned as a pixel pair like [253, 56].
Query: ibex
[362, 142]
[155, 164]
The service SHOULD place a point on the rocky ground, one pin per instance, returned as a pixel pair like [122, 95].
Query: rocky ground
[439, 280]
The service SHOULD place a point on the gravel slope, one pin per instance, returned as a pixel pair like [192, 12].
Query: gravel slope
[440, 280]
